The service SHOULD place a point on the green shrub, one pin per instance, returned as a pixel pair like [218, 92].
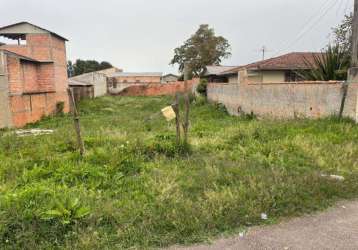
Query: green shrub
[200, 100]
[248, 116]
[166, 145]
[221, 108]
[66, 211]
[60, 107]
[202, 87]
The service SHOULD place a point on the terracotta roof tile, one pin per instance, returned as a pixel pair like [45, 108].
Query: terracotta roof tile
[134, 74]
[291, 61]
[217, 69]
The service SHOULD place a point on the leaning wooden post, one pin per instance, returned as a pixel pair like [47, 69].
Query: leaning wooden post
[187, 103]
[177, 116]
[344, 97]
[76, 120]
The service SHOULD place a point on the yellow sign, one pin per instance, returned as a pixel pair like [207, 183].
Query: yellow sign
[168, 113]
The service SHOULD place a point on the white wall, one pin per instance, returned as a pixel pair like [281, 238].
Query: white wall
[286, 100]
[234, 78]
[98, 80]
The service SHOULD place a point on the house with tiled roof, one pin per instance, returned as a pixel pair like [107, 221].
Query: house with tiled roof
[278, 69]
[213, 73]
[168, 78]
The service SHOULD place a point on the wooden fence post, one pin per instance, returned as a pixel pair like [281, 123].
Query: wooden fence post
[76, 120]
[344, 97]
[187, 103]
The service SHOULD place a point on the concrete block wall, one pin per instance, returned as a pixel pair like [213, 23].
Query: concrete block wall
[99, 81]
[286, 100]
[225, 93]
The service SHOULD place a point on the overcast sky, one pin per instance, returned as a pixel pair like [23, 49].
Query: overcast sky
[140, 35]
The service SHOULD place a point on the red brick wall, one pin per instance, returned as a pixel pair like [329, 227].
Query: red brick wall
[35, 88]
[158, 89]
[31, 108]
[39, 46]
[29, 76]
[14, 71]
[18, 49]
[46, 77]
[60, 69]
[42, 47]
[138, 79]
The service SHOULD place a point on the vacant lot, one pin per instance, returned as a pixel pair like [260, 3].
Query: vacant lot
[136, 188]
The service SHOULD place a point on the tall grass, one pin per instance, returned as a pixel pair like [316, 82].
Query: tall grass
[135, 188]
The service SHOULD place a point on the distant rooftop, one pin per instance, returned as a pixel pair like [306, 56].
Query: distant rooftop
[19, 30]
[119, 74]
[106, 72]
[217, 69]
[170, 74]
[73, 82]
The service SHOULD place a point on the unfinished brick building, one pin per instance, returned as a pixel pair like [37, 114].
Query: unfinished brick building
[33, 74]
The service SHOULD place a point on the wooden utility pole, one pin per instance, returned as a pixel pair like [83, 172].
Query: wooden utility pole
[76, 120]
[353, 71]
[355, 36]
[187, 102]
[263, 50]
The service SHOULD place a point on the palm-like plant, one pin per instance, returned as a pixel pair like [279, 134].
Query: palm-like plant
[332, 64]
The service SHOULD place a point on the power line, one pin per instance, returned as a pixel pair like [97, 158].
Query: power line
[346, 7]
[326, 7]
[339, 7]
[309, 28]
[263, 51]
[309, 20]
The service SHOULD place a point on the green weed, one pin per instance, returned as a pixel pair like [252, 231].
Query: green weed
[136, 188]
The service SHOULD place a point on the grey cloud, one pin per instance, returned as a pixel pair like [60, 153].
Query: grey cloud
[140, 35]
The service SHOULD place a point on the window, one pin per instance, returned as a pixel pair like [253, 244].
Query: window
[8, 41]
[291, 76]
